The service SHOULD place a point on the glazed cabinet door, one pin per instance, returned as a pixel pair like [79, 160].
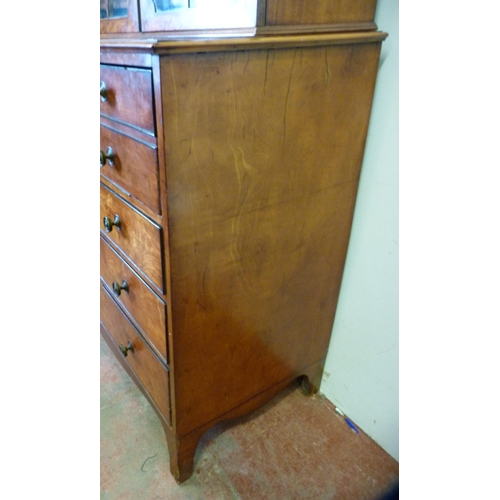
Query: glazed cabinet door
[175, 15]
[119, 16]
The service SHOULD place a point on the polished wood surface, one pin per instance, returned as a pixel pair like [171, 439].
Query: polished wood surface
[148, 368]
[259, 145]
[139, 238]
[127, 59]
[135, 166]
[129, 96]
[128, 131]
[142, 304]
[169, 46]
[263, 153]
[321, 12]
[300, 29]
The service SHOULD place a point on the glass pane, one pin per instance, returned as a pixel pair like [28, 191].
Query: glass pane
[216, 4]
[104, 9]
[117, 8]
[164, 5]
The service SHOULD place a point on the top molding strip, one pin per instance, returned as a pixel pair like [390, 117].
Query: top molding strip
[223, 44]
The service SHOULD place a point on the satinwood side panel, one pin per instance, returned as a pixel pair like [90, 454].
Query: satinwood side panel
[263, 155]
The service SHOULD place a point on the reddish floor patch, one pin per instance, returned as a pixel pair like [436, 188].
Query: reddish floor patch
[295, 447]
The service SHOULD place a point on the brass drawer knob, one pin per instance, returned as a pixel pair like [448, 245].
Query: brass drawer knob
[125, 349]
[117, 288]
[104, 92]
[108, 156]
[108, 223]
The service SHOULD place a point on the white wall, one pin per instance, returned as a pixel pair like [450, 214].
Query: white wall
[361, 372]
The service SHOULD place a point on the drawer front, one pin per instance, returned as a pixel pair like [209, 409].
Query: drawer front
[150, 371]
[134, 167]
[137, 236]
[128, 96]
[147, 310]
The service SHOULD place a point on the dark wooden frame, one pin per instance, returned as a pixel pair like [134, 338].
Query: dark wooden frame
[129, 24]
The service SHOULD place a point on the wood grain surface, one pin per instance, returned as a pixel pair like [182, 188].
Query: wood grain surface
[263, 151]
[319, 11]
[143, 305]
[139, 238]
[129, 96]
[150, 371]
[135, 167]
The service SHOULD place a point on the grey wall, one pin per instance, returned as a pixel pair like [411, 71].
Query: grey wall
[361, 372]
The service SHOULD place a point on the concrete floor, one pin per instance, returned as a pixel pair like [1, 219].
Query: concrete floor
[295, 447]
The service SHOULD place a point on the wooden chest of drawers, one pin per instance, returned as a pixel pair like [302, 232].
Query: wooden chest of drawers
[229, 172]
